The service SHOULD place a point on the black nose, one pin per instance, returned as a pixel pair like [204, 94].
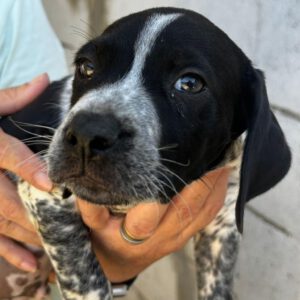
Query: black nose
[93, 134]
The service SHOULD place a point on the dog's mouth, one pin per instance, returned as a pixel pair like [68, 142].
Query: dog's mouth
[101, 193]
[115, 210]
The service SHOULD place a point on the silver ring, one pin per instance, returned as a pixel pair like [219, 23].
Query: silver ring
[129, 237]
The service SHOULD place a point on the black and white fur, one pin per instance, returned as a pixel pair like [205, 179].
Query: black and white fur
[127, 135]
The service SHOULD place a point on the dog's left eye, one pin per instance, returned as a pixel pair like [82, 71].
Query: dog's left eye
[86, 69]
[191, 83]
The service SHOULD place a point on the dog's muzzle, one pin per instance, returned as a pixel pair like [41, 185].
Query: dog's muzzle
[91, 135]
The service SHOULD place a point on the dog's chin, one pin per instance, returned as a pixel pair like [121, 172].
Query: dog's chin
[97, 194]
[100, 196]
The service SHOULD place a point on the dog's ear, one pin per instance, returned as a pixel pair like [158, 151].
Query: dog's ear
[266, 157]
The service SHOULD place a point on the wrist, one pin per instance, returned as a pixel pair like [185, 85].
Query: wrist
[120, 289]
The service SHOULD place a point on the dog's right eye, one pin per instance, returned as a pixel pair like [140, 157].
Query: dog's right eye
[86, 69]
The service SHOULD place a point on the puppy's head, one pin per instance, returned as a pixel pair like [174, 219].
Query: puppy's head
[156, 102]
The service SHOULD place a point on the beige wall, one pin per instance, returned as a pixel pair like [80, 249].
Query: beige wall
[75, 22]
[268, 31]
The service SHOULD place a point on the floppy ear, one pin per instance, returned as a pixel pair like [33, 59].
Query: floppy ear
[266, 157]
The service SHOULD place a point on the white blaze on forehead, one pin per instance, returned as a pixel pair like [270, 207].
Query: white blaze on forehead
[65, 98]
[146, 39]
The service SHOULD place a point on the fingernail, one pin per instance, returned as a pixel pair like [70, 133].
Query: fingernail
[43, 181]
[28, 266]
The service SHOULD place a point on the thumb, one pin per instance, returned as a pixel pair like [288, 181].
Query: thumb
[15, 98]
[142, 220]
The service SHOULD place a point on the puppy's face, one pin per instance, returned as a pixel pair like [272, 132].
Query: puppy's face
[152, 107]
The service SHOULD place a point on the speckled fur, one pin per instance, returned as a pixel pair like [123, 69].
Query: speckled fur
[67, 243]
[216, 246]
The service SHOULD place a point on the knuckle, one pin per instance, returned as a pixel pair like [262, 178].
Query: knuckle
[4, 146]
[185, 213]
[140, 229]
[9, 211]
[3, 225]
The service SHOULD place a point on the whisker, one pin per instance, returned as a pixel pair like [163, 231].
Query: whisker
[7, 147]
[176, 192]
[164, 168]
[176, 162]
[37, 143]
[150, 181]
[80, 33]
[171, 200]
[168, 147]
[95, 33]
[24, 130]
[33, 156]
[42, 153]
[34, 125]
[35, 138]
[205, 183]
[145, 182]
[81, 30]
[171, 185]
[159, 185]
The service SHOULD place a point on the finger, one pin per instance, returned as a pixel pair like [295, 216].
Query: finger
[212, 205]
[17, 255]
[17, 158]
[185, 208]
[142, 220]
[94, 216]
[18, 233]
[11, 207]
[14, 99]
[189, 202]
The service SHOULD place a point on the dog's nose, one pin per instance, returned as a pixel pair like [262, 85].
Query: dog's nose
[93, 134]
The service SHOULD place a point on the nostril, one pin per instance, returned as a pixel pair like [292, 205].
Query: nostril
[71, 138]
[99, 144]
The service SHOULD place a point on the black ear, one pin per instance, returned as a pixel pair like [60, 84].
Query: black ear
[267, 157]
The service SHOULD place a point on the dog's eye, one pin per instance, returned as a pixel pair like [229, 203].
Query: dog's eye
[86, 69]
[191, 83]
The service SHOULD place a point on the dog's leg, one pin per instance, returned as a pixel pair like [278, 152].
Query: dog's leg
[215, 258]
[67, 242]
[216, 249]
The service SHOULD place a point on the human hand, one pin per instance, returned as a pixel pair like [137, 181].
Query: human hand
[166, 227]
[18, 159]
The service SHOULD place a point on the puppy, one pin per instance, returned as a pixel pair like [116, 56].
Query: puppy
[161, 78]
